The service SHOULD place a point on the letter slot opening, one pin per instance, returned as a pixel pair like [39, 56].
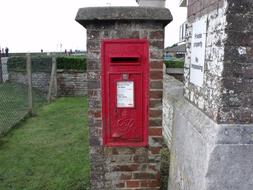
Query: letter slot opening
[124, 59]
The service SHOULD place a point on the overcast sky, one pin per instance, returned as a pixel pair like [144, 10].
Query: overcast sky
[32, 25]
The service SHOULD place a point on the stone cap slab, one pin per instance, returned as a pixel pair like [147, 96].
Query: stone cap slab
[92, 15]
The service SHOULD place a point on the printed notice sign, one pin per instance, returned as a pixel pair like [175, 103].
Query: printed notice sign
[125, 94]
[198, 48]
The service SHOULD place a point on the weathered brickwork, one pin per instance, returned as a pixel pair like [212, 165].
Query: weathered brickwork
[208, 98]
[198, 8]
[237, 92]
[125, 167]
[68, 83]
[226, 95]
[40, 80]
[71, 84]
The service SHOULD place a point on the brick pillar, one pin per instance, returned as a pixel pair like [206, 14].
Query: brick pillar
[226, 95]
[125, 167]
[212, 145]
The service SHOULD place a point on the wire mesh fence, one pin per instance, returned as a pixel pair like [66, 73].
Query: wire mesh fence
[17, 100]
[28, 81]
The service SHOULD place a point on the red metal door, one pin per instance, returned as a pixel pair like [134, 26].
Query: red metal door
[125, 92]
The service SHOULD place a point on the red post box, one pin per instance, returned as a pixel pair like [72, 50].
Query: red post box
[125, 92]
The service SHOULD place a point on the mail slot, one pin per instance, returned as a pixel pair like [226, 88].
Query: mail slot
[125, 92]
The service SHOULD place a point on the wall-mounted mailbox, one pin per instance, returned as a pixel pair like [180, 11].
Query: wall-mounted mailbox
[125, 92]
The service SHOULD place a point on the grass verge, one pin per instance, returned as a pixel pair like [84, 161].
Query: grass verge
[48, 152]
[174, 64]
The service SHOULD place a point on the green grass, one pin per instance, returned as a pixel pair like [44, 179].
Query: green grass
[49, 151]
[14, 104]
[174, 63]
[165, 166]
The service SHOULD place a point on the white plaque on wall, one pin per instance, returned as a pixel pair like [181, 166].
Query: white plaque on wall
[198, 48]
[125, 94]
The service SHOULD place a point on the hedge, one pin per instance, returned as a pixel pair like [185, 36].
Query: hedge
[174, 64]
[44, 63]
[71, 63]
[39, 63]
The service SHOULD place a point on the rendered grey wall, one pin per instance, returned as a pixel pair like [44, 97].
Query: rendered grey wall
[204, 154]
[173, 89]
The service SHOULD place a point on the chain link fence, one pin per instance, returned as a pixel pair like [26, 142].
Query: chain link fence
[18, 99]
[28, 81]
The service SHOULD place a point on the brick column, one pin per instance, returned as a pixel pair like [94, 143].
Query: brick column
[226, 95]
[212, 145]
[125, 167]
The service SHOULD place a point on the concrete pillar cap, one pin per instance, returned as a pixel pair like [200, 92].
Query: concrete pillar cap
[112, 14]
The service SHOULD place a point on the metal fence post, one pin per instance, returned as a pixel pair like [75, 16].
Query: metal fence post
[52, 79]
[55, 77]
[1, 70]
[29, 80]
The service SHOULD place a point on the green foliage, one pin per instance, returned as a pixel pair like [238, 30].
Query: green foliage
[43, 63]
[49, 151]
[174, 64]
[71, 63]
[165, 166]
[39, 63]
[17, 63]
